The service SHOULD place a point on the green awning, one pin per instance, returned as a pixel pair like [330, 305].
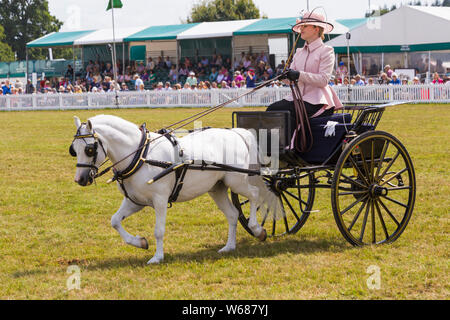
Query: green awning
[169, 32]
[352, 23]
[268, 26]
[58, 39]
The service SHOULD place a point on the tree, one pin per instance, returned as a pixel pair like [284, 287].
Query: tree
[6, 54]
[24, 21]
[223, 10]
[446, 3]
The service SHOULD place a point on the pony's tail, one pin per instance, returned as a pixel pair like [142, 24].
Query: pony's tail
[268, 201]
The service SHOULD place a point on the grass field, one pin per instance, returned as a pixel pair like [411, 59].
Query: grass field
[47, 223]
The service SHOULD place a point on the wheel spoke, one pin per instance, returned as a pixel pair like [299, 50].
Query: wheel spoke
[353, 204]
[295, 197]
[380, 216]
[398, 188]
[366, 214]
[354, 181]
[383, 155]
[389, 212]
[355, 218]
[395, 201]
[290, 207]
[374, 237]
[395, 175]
[244, 202]
[358, 170]
[353, 192]
[389, 166]
[372, 161]
[366, 169]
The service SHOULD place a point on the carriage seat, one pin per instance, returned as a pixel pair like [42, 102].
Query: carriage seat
[323, 147]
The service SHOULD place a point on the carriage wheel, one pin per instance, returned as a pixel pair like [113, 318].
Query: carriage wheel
[373, 189]
[292, 203]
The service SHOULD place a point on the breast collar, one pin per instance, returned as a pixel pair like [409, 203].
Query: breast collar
[138, 159]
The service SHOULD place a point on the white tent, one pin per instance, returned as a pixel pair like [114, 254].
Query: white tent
[408, 28]
[214, 29]
[103, 36]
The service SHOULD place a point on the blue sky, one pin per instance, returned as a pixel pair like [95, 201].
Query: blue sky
[91, 14]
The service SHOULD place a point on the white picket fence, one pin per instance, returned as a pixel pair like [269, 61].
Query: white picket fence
[207, 98]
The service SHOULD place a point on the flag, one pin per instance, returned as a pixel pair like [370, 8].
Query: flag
[115, 4]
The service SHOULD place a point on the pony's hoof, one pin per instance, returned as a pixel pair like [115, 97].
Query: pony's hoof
[263, 235]
[155, 260]
[144, 243]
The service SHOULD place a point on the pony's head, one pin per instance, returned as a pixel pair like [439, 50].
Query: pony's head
[88, 150]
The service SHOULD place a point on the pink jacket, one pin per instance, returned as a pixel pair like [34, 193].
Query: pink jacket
[315, 63]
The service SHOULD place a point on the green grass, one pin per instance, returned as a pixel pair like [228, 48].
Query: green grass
[47, 222]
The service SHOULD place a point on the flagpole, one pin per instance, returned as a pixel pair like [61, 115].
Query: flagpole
[114, 54]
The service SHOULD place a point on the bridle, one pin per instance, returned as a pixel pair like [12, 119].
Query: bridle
[91, 150]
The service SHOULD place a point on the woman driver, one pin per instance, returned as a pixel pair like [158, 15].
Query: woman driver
[315, 63]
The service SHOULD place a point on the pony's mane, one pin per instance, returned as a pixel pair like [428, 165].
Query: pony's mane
[114, 122]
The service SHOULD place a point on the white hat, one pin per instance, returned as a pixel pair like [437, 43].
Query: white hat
[192, 73]
[315, 19]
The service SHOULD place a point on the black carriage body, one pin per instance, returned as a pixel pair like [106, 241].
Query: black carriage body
[369, 173]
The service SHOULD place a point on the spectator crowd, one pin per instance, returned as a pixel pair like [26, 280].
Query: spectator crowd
[217, 72]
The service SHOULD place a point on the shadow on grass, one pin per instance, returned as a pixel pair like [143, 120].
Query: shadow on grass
[244, 249]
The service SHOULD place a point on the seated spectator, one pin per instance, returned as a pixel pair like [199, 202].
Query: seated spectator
[280, 67]
[395, 80]
[247, 62]
[416, 80]
[173, 74]
[191, 80]
[159, 86]
[219, 61]
[141, 87]
[140, 68]
[177, 86]
[124, 87]
[262, 57]
[214, 85]
[384, 79]
[108, 70]
[186, 86]
[213, 75]
[388, 71]
[152, 77]
[146, 76]
[227, 63]
[331, 82]
[201, 72]
[204, 61]
[238, 78]
[167, 86]
[6, 87]
[137, 82]
[265, 76]
[183, 71]
[370, 82]
[358, 81]
[69, 72]
[437, 79]
[150, 64]
[224, 85]
[168, 63]
[227, 77]
[221, 75]
[160, 65]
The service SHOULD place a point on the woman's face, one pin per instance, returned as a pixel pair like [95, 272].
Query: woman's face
[309, 33]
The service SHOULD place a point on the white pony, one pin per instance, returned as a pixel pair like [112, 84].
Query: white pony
[109, 136]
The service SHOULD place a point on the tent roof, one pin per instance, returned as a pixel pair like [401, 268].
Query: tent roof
[102, 36]
[280, 25]
[352, 23]
[160, 32]
[58, 39]
[400, 30]
[214, 29]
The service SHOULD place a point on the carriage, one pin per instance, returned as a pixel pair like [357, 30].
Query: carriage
[369, 173]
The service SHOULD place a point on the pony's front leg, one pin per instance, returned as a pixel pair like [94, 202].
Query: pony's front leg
[160, 205]
[127, 209]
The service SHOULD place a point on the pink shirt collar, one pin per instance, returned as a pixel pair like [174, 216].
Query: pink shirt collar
[313, 45]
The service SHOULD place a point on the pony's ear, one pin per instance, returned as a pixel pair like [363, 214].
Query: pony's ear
[89, 125]
[77, 121]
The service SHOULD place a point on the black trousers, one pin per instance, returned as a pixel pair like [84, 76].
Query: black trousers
[311, 109]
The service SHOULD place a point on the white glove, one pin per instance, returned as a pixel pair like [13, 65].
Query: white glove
[330, 128]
